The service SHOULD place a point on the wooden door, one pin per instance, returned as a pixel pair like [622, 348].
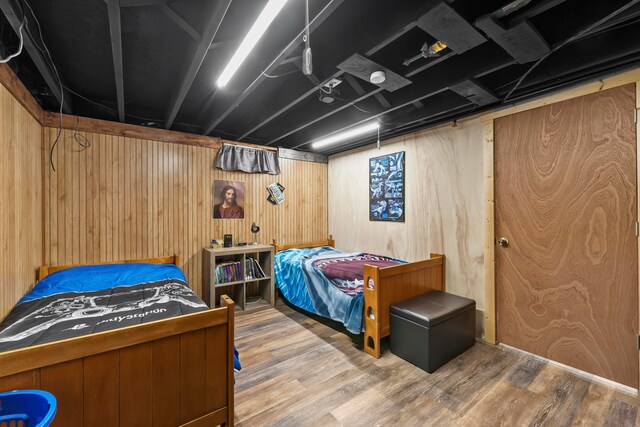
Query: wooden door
[565, 186]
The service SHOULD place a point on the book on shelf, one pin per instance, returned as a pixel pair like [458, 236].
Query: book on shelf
[259, 267]
[252, 269]
[227, 272]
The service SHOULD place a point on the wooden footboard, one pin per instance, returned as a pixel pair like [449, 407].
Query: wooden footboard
[172, 372]
[385, 286]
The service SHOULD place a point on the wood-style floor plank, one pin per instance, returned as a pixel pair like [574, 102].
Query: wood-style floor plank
[302, 371]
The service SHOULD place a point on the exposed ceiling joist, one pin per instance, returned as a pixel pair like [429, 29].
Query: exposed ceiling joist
[195, 56]
[457, 71]
[445, 24]
[393, 35]
[179, 20]
[430, 63]
[474, 92]
[362, 67]
[596, 40]
[337, 110]
[360, 91]
[288, 106]
[613, 8]
[115, 29]
[530, 11]
[312, 78]
[318, 119]
[294, 59]
[437, 111]
[421, 90]
[523, 41]
[317, 20]
[427, 65]
[631, 15]
[432, 88]
[137, 3]
[217, 43]
[15, 19]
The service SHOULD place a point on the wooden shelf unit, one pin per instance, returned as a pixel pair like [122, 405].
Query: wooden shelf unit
[237, 289]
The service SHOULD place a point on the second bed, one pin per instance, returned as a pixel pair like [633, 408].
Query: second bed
[351, 286]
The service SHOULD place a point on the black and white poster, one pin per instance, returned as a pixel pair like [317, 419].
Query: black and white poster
[386, 188]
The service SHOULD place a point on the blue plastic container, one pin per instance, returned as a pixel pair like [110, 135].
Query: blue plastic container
[35, 408]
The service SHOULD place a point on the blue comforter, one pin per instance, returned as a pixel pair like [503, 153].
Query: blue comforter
[101, 277]
[300, 276]
[86, 299]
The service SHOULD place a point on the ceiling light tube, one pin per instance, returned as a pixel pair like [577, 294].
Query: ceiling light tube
[265, 19]
[346, 135]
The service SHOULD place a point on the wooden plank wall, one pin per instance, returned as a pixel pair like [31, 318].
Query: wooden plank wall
[163, 382]
[129, 198]
[444, 200]
[20, 200]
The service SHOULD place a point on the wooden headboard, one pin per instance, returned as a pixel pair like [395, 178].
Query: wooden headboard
[45, 270]
[328, 242]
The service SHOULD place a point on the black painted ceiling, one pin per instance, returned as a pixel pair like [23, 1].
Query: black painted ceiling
[173, 51]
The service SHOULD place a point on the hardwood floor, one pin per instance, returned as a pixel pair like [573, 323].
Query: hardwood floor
[298, 371]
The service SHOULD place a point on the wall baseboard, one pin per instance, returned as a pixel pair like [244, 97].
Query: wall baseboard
[578, 372]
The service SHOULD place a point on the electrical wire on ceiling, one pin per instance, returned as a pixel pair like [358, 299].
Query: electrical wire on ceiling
[13, 55]
[45, 50]
[584, 37]
[571, 39]
[306, 66]
[149, 121]
[330, 90]
[82, 140]
[279, 75]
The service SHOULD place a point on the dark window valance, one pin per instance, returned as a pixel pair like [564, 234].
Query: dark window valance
[248, 159]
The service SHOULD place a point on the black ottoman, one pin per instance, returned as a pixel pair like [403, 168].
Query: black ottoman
[431, 329]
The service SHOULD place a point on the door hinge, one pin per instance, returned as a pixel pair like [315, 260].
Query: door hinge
[638, 342]
[635, 115]
[637, 229]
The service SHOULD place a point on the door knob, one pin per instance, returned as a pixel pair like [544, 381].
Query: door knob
[503, 241]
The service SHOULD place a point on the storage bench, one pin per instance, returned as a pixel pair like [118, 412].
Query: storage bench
[431, 329]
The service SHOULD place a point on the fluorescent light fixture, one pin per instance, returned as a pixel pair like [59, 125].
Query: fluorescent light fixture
[346, 135]
[265, 19]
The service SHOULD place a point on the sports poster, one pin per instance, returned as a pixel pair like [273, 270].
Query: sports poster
[386, 188]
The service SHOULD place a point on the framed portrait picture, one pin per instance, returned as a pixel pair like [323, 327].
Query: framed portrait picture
[228, 199]
[386, 188]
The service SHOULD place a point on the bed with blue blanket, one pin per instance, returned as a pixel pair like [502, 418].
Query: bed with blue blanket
[327, 282]
[344, 286]
[133, 313]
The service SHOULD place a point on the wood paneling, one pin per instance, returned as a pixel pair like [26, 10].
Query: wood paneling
[136, 381]
[166, 382]
[567, 283]
[66, 382]
[132, 198]
[20, 199]
[389, 285]
[11, 82]
[125, 383]
[102, 404]
[443, 198]
[192, 381]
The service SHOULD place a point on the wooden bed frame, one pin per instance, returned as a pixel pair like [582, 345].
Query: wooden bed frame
[385, 286]
[172, 372]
